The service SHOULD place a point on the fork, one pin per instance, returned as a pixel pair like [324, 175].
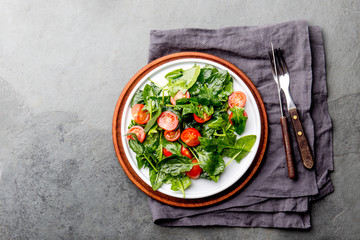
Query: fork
[284, 79]
[283, 122]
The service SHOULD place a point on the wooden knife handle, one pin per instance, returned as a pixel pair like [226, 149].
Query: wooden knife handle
[303, 144]
[289, 158]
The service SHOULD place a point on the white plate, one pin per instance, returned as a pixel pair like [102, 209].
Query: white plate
[199, 188]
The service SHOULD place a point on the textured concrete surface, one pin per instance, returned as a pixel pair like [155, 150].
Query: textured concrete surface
[63, 65]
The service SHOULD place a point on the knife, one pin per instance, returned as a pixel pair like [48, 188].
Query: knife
[283, 122]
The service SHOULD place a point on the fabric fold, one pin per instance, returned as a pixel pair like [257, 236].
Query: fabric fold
[272, 199]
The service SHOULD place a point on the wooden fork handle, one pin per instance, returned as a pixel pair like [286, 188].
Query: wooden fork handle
[303, 144]
[289, 158]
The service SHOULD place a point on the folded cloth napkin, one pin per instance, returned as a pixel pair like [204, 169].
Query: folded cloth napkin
[271, 199]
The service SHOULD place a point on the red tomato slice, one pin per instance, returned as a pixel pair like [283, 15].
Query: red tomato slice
[195, 171]
[178, 96]
[172, 136]
[238, 99]
[202, 120]
[231, 115]
[168, 121]
[190, 136]
[140, 117]
[139, 131]
[186, 152]
[166, 152]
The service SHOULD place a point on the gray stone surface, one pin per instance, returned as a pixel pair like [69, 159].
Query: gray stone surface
[63, 65]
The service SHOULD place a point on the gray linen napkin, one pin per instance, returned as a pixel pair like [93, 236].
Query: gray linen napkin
[271, 199]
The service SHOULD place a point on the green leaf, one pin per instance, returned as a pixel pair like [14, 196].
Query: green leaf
[141, 161]
[156, 89]
[152, 141]
[181, 183]
[157, 179]
[150, 103]
[217, 122]
[182, 80]
[173, 147]
[241, 148]
[174, 74]
[148, 92]
[210, 162]
[212, 87]
[151, 122]
[238, 119]
[174, 165]
[206, 131]
[133, 123]
[159, 149]
[136, 146]
[190, 76]
[138, 98]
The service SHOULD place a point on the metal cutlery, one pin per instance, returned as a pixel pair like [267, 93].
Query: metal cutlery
[284, 82]
[283, 122]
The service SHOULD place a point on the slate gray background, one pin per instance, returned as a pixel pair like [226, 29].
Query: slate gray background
[63, 65]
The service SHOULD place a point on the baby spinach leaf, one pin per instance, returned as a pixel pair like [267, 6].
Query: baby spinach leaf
[136, 146]
[138, 98]
[184, 82]
[238, 119]
[173, 147]
[175, 164]
[210, 162]
[152, 121]
[206, 176]
[156, 89]
[148, 92]
[149, 99]
[157, 179]
[206, 131]
[152, 141]
[217, 122]
[159, 149]
[141, 161]
[174, 74]
[213, 87]
[241, 148]
[208, 97]
[181, 183]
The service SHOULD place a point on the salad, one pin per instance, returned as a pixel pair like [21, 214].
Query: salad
[190, 128]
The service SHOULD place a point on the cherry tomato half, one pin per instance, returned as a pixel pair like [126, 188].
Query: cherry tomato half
[190, 136]
[139, 131]
[140, 116]
[195, 171]
[205, 118]
[178, 96]
[168, 121]
[202, 120]
[238, 99]
[172, 136]
[166, 152]
[231, 115]
[186, 152]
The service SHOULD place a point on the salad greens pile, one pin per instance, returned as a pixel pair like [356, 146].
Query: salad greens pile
[209, 90]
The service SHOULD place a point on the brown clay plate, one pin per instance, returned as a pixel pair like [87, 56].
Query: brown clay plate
[202, 192]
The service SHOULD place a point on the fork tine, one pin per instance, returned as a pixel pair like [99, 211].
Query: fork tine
[282, 60]
[278, 62]
[272, 62]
